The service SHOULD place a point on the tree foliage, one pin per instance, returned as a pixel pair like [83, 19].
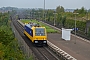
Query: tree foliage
[9, 48]
[59, 19]
[63, 21]
[60, 9]
[4, 17]
[82, 12]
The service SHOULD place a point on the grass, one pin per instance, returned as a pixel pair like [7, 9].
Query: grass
[49, 29]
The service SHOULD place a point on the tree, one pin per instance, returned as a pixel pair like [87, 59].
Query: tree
[76, 11]
[60, 9]
[49, 14]
[63, 21]
[80, 11]
[4, 19]
[59, 18]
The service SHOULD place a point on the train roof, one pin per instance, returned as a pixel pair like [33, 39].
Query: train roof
[30, 25]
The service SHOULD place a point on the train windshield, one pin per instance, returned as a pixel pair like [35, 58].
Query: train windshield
[40, 31]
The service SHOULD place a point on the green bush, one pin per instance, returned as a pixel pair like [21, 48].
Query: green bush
[79, 24]
[9, 48]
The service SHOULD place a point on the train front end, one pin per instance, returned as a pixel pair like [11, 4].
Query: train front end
[40, 36]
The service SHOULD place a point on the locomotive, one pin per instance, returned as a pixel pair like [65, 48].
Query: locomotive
[36, 33]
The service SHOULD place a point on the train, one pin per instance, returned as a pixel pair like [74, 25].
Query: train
[36, 33]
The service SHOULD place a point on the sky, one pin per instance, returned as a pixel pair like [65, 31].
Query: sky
[49, 4]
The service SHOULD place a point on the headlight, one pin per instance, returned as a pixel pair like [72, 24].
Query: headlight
[36, 41]
[44, 42]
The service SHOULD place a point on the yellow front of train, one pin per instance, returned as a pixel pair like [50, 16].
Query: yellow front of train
[39, 35]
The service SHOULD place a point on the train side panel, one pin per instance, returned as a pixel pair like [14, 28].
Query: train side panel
[29, 33]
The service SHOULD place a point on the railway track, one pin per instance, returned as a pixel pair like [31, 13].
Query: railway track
[41, 53]
[48, 55]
